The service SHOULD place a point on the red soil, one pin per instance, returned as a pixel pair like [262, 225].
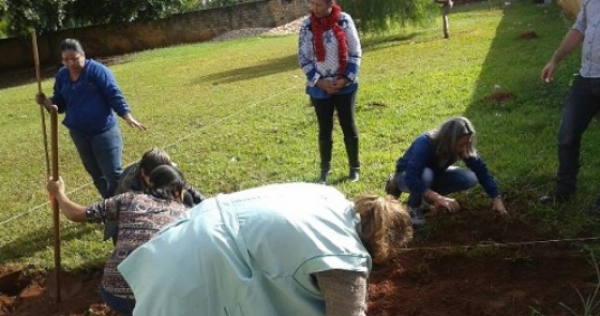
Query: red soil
[478, 281]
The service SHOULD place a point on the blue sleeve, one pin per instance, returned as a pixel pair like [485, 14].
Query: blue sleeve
[107, 83]
[306, 54]
[57, 98]
[354, 50]
[581, 22]
[421, 152]
[485, 178]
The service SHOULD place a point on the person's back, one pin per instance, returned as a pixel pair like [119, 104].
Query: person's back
[254, 251]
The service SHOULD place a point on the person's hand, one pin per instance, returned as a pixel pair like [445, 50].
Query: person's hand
[56, 188]
[41, 99]
[327, 86]
[448, 204]
[548, 71]
[499, 206]
[340, 84]
[133, 123]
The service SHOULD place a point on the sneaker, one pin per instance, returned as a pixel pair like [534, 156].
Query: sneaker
[556, 197]
[416, 217]
[391, 186]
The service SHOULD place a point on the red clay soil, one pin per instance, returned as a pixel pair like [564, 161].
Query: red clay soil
[479, 281]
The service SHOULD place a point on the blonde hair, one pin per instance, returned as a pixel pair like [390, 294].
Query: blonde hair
[448, 134]
[383, 220]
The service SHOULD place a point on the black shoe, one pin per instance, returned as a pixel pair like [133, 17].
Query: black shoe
[391, 186]
[354, 175]
[556, 197]
[324, 176]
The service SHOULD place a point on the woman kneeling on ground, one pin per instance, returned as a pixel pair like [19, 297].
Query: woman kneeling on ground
[136, 177]
[426, 169]
[135, 218]
[281, 249]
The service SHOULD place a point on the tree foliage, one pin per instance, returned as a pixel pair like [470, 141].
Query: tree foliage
[53, 15]
[379, 15]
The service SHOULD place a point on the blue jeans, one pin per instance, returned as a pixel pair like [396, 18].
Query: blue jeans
[101, 156]
[581, 104]
[118, 304]
[454, 179]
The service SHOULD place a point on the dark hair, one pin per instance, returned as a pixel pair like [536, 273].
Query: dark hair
[71, 44]
[153, 158]
[165, 182]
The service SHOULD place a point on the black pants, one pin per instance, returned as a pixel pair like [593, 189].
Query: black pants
[344, 104]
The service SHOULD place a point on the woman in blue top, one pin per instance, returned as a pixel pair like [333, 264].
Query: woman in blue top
[292, 249]
[426, 169]
[87, 92]
[329, 53]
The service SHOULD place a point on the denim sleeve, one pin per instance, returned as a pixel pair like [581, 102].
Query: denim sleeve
[421, 152]
[485, 178]
[306, 54]
[57, 98]
[110, 89]
[354, 50]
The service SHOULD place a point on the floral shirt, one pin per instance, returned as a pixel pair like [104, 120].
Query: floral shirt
[138, 218]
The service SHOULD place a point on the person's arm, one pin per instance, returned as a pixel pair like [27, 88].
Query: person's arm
[344, 292]
[72, 210]
[354, 50]
[306, 54]
[573, 39]
[114, 96]
[487, 181]
[56, 100]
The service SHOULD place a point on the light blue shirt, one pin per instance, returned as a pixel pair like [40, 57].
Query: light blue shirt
[588, 23]
[248, 253]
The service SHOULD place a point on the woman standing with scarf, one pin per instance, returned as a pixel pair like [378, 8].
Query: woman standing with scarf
[329, 53]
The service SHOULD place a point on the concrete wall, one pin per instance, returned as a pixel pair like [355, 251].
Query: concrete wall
[189, 27]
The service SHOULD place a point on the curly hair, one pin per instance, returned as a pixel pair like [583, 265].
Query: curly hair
[383, 220]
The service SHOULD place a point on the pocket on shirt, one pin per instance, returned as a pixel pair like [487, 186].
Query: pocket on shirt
[235, 310]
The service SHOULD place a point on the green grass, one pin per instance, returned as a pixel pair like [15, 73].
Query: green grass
[234, 115]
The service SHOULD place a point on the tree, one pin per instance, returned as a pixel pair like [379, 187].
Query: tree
[379, 15]
[53, 15]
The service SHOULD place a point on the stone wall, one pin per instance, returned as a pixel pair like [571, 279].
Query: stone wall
[189, 27]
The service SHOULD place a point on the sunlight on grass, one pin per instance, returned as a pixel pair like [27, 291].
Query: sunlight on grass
[234, 115]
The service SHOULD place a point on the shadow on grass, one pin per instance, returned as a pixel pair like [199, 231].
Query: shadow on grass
[26, 245]
[377, 42]
[516, 115]
[267, 68]
[21, 76]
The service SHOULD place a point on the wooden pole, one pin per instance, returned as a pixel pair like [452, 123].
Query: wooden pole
[53, 201]
[55, 174]
[36, 60]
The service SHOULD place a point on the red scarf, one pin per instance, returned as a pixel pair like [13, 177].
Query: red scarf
[319, 26]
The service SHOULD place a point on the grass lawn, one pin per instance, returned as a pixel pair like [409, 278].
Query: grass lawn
[234, 115]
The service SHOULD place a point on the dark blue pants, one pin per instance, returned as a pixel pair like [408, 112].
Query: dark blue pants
[118, 304]
[454, 179]
[581, 104]
[101, 156]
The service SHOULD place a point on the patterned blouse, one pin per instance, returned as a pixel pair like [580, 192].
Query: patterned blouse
[139, 217]
[328, 69]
